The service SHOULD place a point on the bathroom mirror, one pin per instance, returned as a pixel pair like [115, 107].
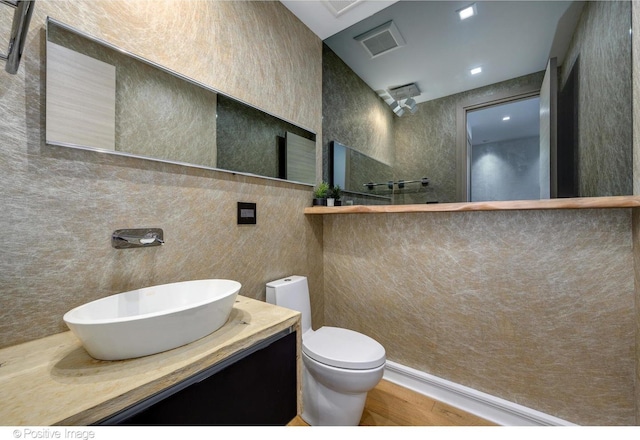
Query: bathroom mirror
[348, 169]
[358, 173]
[102, 98]
[592, 41]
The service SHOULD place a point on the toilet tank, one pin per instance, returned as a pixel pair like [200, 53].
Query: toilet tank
[293, 293]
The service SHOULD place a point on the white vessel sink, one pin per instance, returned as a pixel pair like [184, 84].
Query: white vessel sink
[154, 319]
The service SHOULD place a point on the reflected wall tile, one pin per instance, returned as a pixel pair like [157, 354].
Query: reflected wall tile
[434, 127]
[636, 189]
[601, 47]
[354, 115]
[636, 97]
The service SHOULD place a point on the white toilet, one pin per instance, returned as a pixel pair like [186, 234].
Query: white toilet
[340, 366]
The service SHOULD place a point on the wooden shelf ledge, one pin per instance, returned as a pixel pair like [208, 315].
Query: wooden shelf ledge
[576, 203]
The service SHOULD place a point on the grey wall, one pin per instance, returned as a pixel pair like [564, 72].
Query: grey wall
[60, 206]
[602, 46]
[636, 190]
[507, 170]
[536, 307]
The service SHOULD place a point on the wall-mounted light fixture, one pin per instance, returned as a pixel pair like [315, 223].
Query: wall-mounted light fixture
[397, 108]
[403, 98]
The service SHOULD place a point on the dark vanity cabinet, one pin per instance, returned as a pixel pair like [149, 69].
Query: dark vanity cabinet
[254, 387]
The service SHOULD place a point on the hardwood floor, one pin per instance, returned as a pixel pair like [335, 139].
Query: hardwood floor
[389, 404]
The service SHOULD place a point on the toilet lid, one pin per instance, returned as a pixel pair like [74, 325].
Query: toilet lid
[343, 348]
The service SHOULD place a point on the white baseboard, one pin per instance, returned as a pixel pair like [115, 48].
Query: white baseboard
[494, 409]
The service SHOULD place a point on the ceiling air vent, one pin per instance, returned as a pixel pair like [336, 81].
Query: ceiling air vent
[338, 7]
[382, 39]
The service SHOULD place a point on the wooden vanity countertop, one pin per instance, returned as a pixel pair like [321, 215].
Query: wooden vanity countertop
[54, 381]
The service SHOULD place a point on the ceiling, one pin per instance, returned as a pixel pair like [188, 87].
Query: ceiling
[326, 18]
[507, 39]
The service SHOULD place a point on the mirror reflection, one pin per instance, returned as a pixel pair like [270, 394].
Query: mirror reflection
[348, 169]
[100, 97]
[585, 104]
[505, 151]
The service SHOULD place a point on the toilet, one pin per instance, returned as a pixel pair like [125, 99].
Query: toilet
[340, 366]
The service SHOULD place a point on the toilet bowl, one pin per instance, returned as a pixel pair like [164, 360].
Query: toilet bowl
[340, 366]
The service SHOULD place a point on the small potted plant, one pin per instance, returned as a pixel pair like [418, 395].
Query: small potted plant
[320, 194]
[336, 193]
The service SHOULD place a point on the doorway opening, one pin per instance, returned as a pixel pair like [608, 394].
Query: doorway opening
[467, 135]
[503, 145]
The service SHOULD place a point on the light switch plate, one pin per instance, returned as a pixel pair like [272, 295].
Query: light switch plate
[246, 213]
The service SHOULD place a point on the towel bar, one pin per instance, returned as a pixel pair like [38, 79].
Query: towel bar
[23, 9]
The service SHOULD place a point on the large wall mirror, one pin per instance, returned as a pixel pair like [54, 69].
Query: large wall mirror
[461, 132]
[349, 168]
[103, 98]
[359, 174]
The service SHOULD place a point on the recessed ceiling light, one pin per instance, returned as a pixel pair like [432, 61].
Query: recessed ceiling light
[476, 70]
[506, 118]
[467, 12]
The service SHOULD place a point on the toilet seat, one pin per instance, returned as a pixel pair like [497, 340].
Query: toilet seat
[343, 348]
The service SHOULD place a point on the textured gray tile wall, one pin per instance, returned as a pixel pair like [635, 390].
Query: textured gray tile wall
[536, 307]
[59, 206]
[602, 47]
[636, 188]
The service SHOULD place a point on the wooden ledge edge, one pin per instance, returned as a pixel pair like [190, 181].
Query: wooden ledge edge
[573, 203]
